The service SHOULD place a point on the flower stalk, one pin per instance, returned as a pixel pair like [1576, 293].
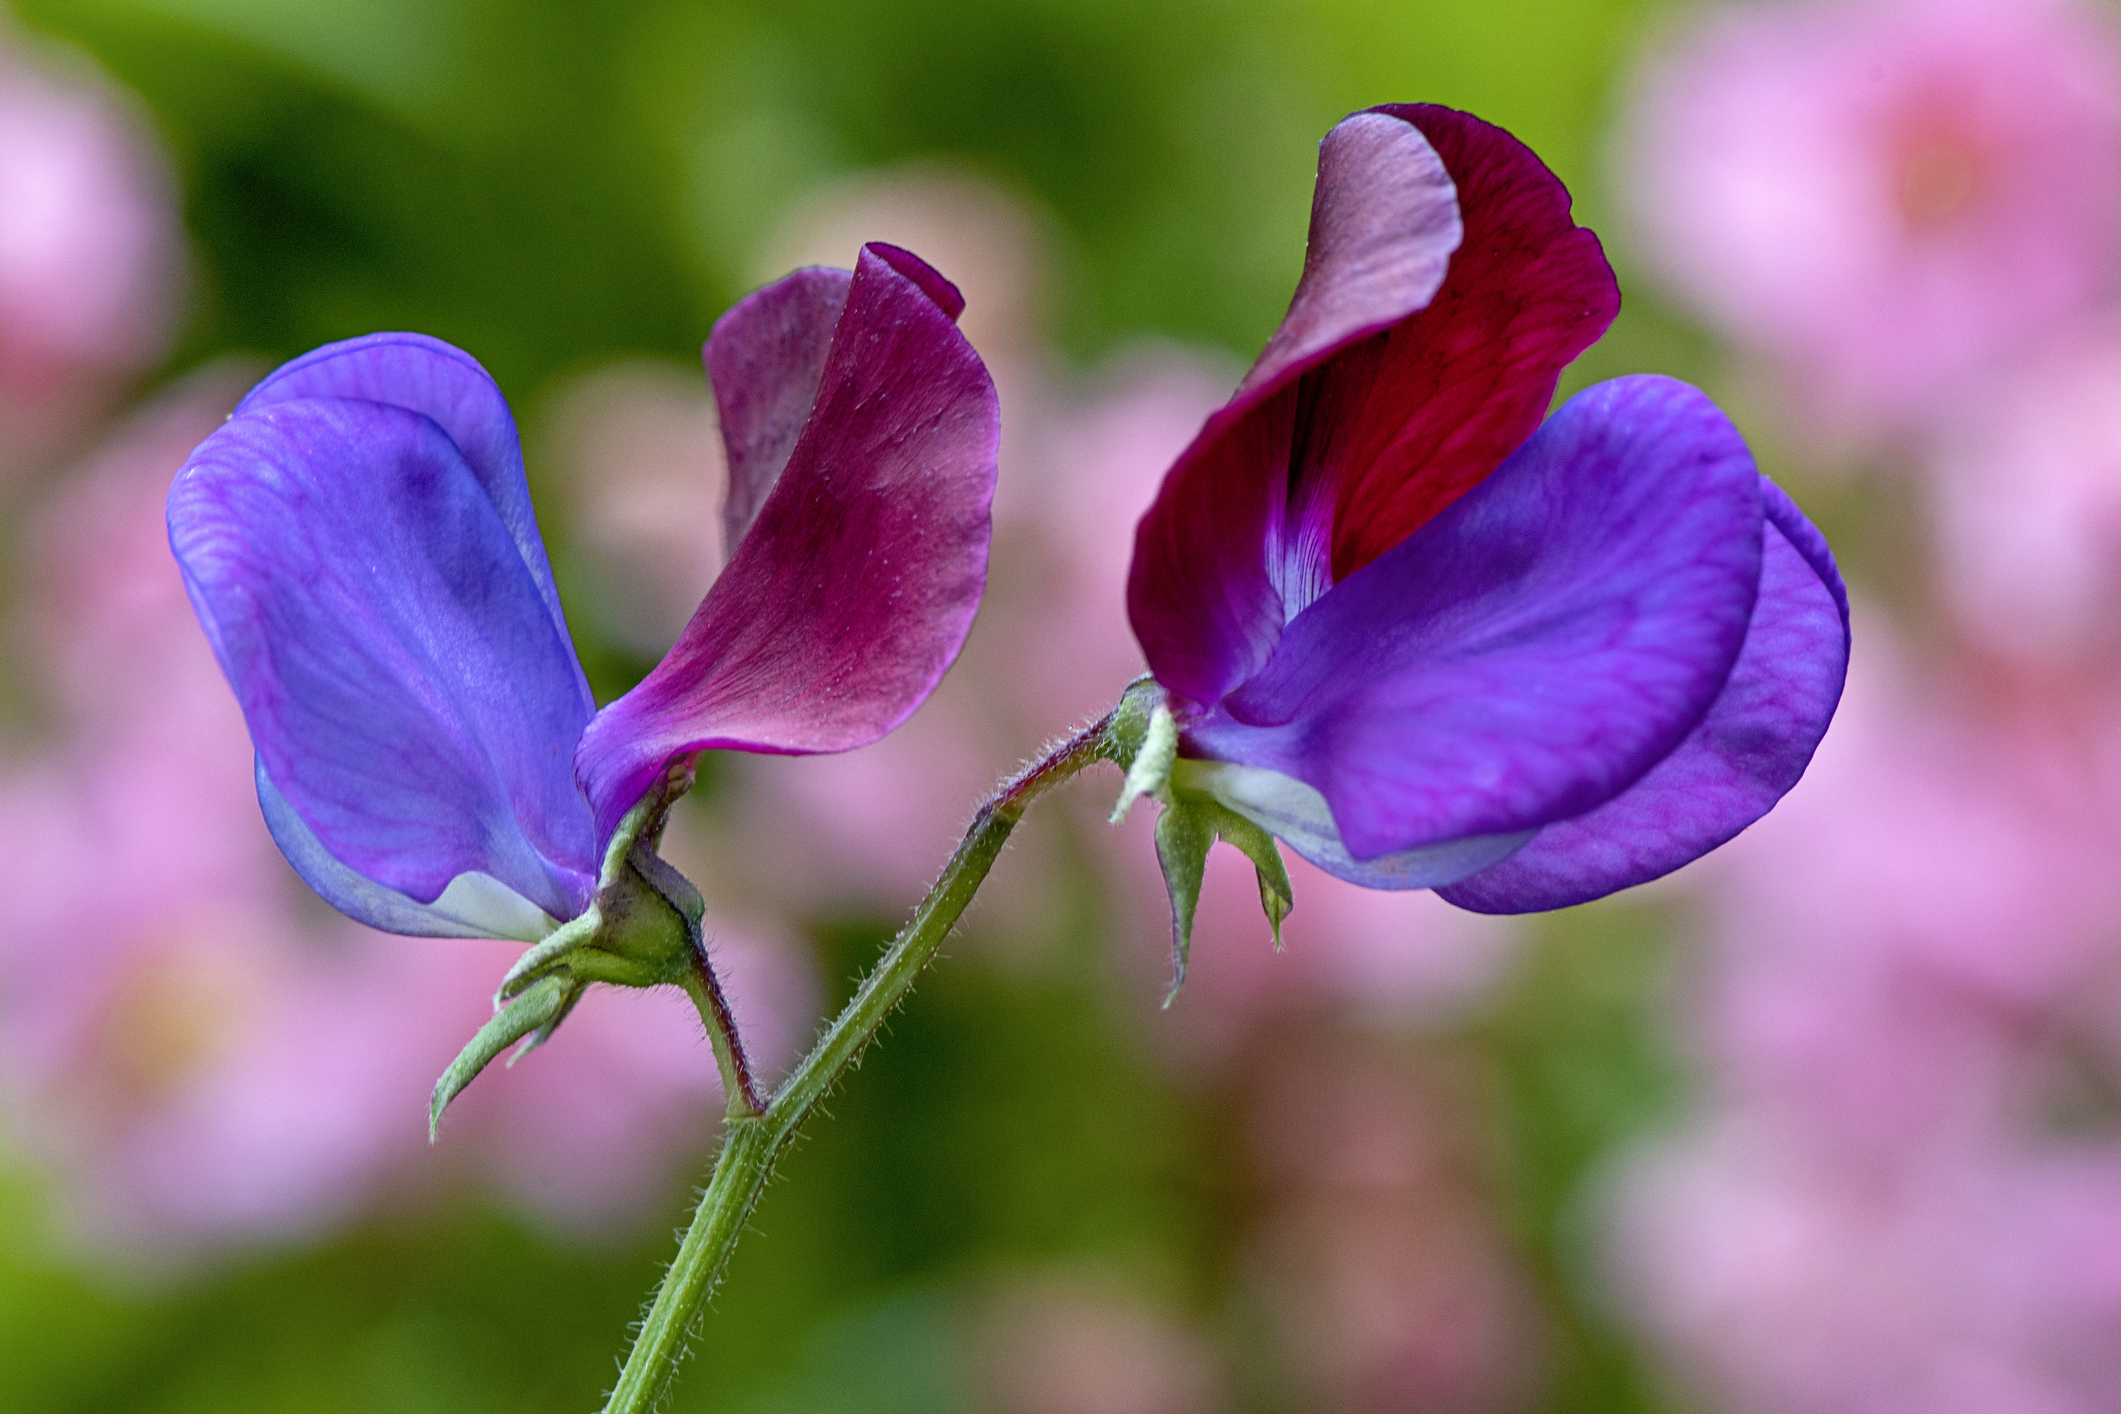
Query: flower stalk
[753, 1142]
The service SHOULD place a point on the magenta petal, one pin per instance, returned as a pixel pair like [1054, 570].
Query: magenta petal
[854, 590]
[1202, 596]
[765, 357]
[948, 298]
[1533, 650]
[411, 699]
[446, 385]
[1744, 756]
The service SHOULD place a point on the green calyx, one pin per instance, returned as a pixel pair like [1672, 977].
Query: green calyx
[642, 929]
[1144, 740]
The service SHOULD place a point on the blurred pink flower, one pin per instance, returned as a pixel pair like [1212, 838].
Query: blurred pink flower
[1885, 197]
[638, 452]
[1937, 900]
[1375, 1251]
[1985, 1283]
[1099, 463]
[202, 1062]
[2028, 506]
[90, 250]
[1084, 1343]
[206, 1056]
[1905, 1193]
[869, 829]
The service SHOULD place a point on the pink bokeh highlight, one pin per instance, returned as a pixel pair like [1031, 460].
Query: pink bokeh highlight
[1904, 1190]
[2026, 502]
[91, 249]
[1884, 198]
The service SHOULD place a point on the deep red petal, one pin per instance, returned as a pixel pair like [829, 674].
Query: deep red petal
[1453, 390]
[1204, 595]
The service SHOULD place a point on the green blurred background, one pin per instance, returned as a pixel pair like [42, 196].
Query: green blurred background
[550, 185]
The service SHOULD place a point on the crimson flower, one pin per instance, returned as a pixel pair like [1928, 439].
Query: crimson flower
[1431, 637]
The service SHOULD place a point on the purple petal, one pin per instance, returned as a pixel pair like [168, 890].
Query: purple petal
[412, 701]
[852, 594]
[1202, 597]
[765, 358]
[1533, 650]
[1744, 756]
[474, 905]
[446, 385]
[1297, 815]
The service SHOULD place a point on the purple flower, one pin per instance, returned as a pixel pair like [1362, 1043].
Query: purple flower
[1432, 638]
[359, 543]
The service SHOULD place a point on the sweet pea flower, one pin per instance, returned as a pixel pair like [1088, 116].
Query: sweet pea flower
[359, 544]
[1432, 638]
[189, 1046]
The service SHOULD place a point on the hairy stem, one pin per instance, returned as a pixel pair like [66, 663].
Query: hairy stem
[753, 1142]
[705, 989]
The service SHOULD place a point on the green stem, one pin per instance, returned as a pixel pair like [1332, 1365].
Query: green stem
[752, 1144]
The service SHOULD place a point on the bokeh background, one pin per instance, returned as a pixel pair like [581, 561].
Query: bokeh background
[1829, 1123]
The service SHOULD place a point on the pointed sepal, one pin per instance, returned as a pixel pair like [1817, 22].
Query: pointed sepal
[1186, 830]
[1183, 838]
[1277, 898]
[533, 1013]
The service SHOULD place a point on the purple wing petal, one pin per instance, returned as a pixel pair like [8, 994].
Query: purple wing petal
[474, 905]
[842, 608]
[446, 385]
[765, 358]
[1533, 650]
[1744, 756]
[411, 699]
[1297, 815]
[1202, 596]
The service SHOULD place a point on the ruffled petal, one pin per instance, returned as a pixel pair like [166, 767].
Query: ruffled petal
[1297, 815]
[853, 592]
[1745, 755]
[446, 385]
[765, 358]
[413, 703]
[1533, 650]
[1203, 597]
[1438, 403]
